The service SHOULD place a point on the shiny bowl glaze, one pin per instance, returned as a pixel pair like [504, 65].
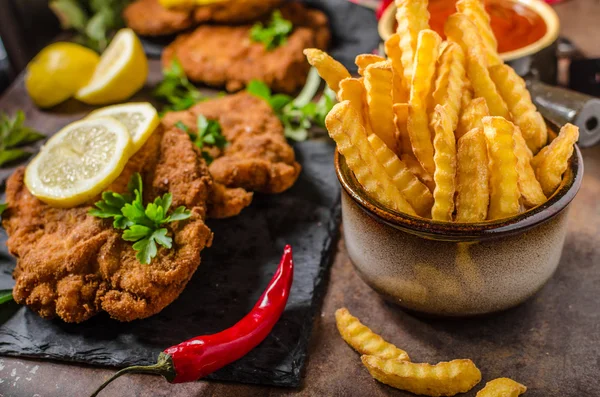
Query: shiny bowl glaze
[455, 269]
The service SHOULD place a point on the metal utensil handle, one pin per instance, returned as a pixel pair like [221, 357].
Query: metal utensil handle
[561, 106]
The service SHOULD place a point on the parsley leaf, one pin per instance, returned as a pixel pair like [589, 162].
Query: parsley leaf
[208, 133]
[142, 225]
[274, 34]
[14, 134]
[176, 90]
[300, 114]
[3, 207]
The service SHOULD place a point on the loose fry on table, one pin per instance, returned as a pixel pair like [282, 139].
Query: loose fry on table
[363, 340]
[442, 379]
[415, 167]
[504, 180]
[420, 90]
[364, 60]
[445, 166]
[460, 29]
[523, 111]
[471, 117]
[329, 69]
[475, 11]
[415, 192]
[472, 176]
[553, 160]
[378, 82]
[412, 17]
[353, 90]
[343, 125]
[502, 387]
[401, 119]
[450, 81]
[394, 53]
[531, 190]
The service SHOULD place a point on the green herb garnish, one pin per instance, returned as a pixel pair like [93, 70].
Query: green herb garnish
[300, 114]
[14, 134]
[209, 133]
[3, 207]
[144, 226]
[5, 296]
[94, 20]
[274, 34]
[176, 90]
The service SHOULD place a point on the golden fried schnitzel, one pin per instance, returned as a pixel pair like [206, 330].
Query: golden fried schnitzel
[258, 157]
[150, 18]
[73, 265]
[225, 56]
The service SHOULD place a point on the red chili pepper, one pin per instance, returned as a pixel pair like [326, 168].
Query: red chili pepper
[200, 356]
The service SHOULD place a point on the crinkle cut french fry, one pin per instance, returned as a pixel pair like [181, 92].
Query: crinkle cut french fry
[442, 379]
[422, 84]
[450, 81]
[378, 83]
[471, 117]
[523, 111]
[445, 166]
[343, 125]
[504, 180]
[329, 69]
[363, 340]
[415, 192]
[531, 190]
[502, 387]
[472, 175]
[475, 10]
[415, 167]
[460, 29]
[412, 17]
[401, 119]
[353, 90]
[364, 60]
[394, 53]
[553, 160]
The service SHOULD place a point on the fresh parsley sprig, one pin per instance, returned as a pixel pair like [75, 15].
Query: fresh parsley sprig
[274, 34]
[208, 133]
[14, 134]
[300, 114]
[144, 226]
[176, 90]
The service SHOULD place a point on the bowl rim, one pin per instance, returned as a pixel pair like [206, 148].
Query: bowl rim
[455, 231]
[386, 23]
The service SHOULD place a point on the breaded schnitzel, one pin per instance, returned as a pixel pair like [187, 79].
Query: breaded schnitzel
[258, 157]
[150, 18]
[73, 265]
[225, 56]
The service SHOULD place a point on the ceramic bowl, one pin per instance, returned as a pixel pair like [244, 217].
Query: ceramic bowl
[454, 269]
[539, 58]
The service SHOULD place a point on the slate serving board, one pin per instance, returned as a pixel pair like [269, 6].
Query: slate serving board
[231, 277]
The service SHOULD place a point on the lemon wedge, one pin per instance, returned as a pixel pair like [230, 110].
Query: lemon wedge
[122, 71]
[79, 161]
[58, 71]
[141, 119]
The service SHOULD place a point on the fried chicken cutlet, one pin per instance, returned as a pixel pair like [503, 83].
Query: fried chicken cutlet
[258, 157]
[73, 265]
[225, 56]
[150, 18]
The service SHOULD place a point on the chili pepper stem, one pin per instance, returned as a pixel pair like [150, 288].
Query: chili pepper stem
[164, 367]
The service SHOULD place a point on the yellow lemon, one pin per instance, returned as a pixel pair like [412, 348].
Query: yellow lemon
[141, 119]
[122, 71]
[58, 71]
[79, 161]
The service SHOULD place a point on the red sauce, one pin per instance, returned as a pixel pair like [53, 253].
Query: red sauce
[515, 26]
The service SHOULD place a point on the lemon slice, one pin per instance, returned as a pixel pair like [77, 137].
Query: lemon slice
[141, 119]
[79, 161]
[122, 71]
